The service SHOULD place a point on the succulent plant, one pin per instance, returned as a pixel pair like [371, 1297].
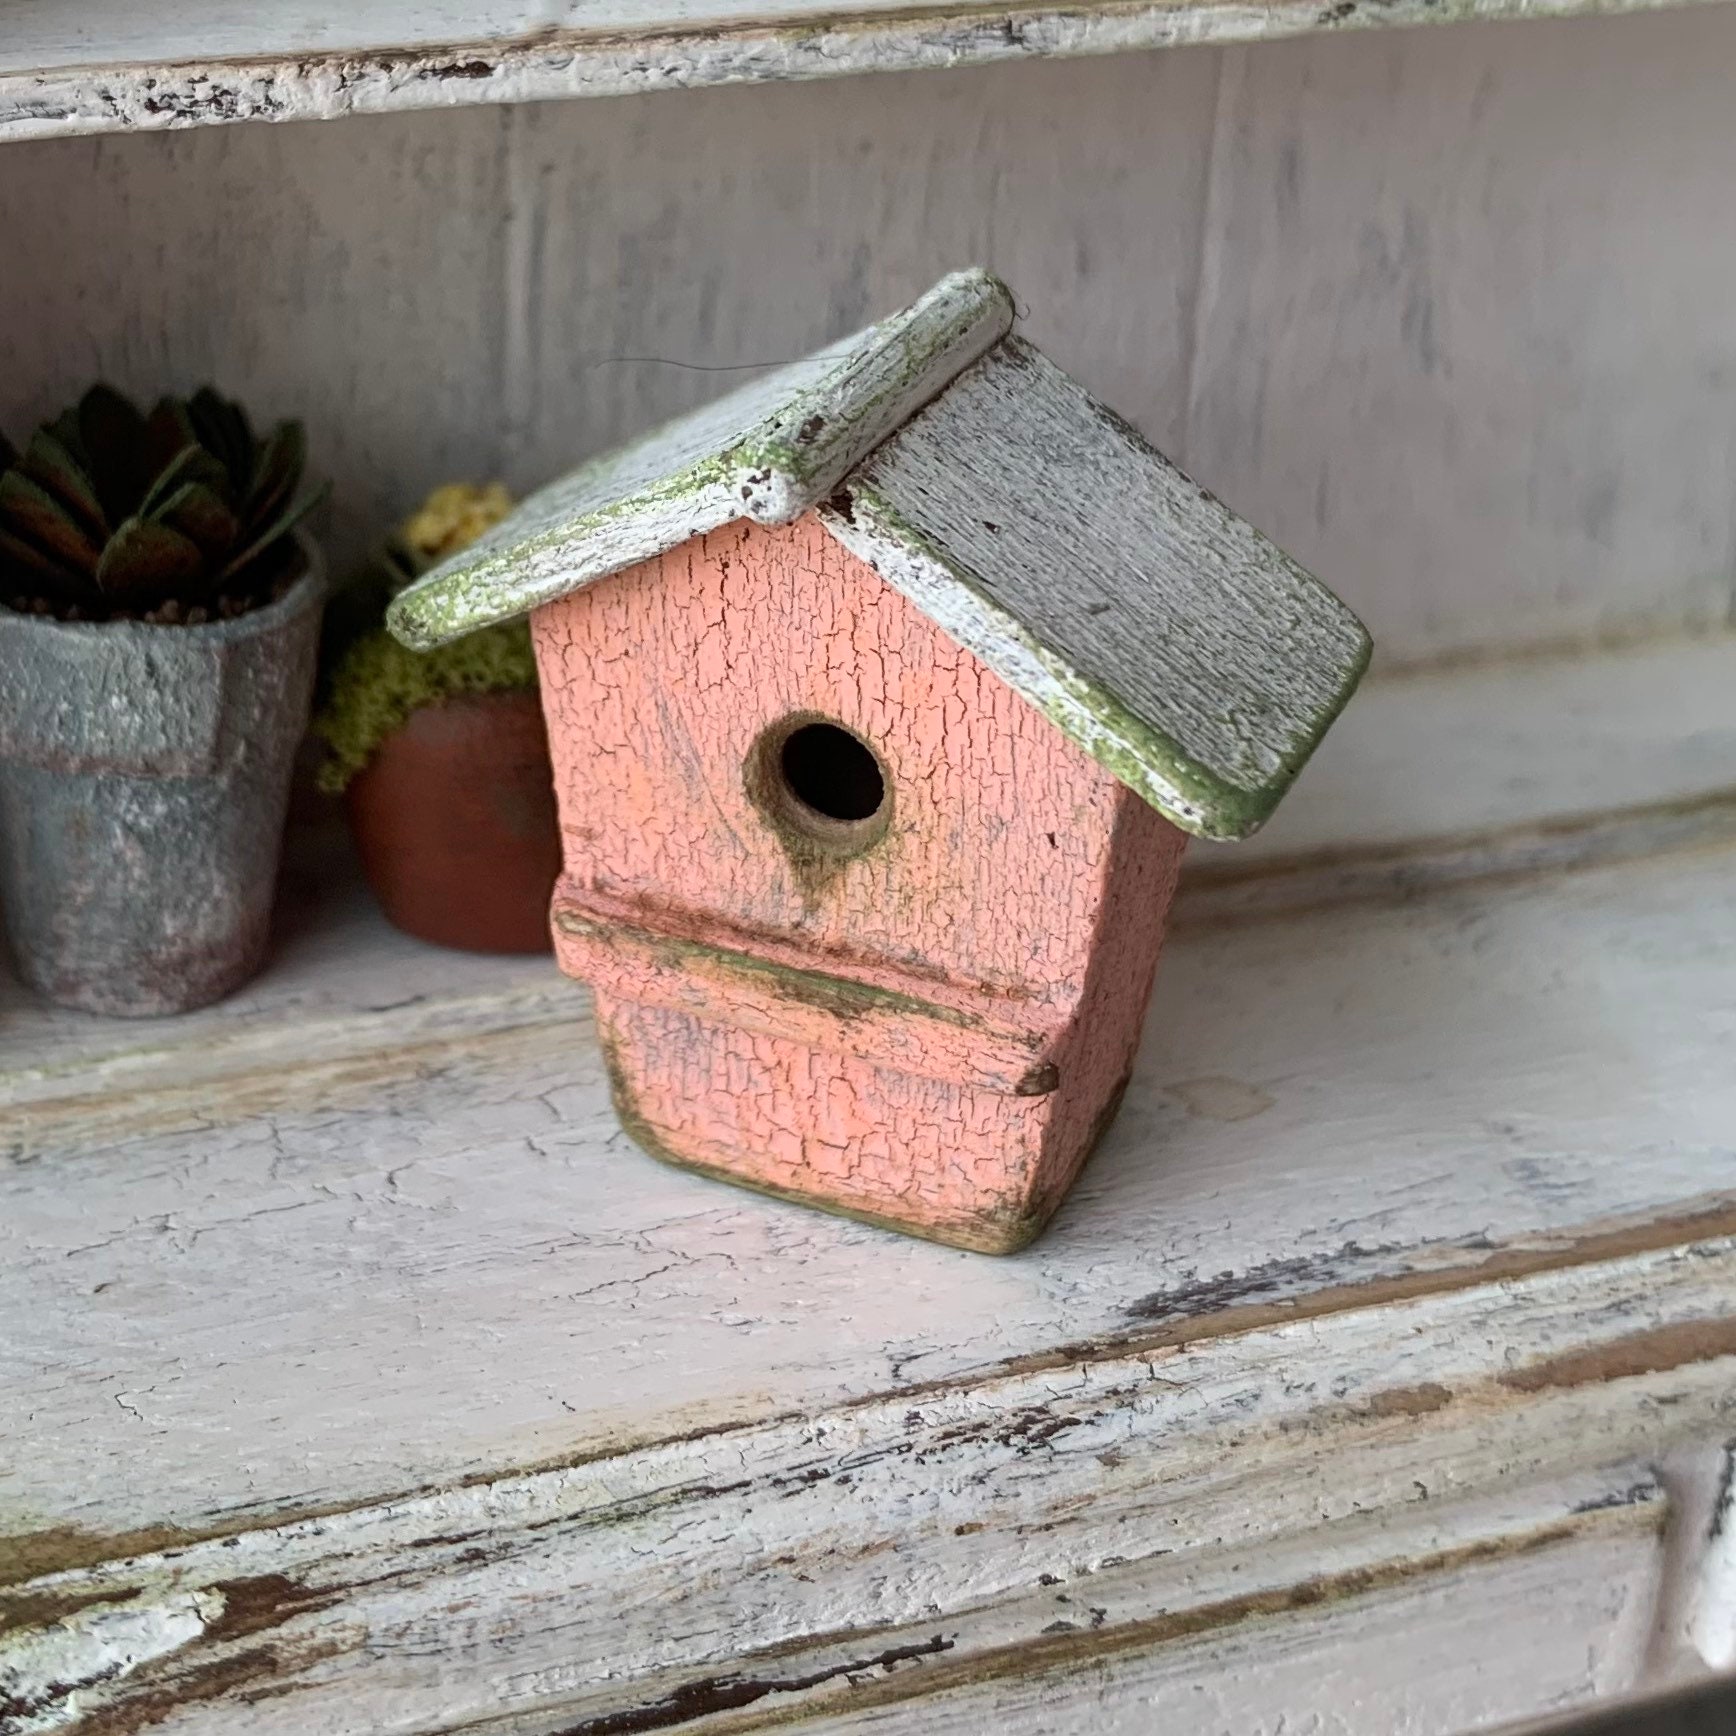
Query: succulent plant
[180, 516]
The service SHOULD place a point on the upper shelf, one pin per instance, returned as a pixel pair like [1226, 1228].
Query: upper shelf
[119, 66]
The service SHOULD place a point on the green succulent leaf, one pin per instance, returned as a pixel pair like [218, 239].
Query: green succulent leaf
[224, 431]
[64, 428]
[29, 511]
[201, 515]
[169, 431]
[47, 463]
[23, 563]
[281, 461]
[279, 527]
[201, 506]
[191, 464]
[146, 563]
[111, 445]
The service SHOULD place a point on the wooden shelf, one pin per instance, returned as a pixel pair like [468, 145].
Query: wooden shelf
[117, 67]
[343, 1314]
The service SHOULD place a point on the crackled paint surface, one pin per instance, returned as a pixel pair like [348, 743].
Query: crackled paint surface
[932, 1032]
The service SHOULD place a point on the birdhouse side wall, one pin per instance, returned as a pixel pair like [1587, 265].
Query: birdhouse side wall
[661, 683]
[935, 1155]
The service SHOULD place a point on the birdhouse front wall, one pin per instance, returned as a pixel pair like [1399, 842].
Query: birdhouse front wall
[661, 686]
[918, 1005]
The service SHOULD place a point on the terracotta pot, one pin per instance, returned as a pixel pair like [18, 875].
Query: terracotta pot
[144, 775]
[454, 820]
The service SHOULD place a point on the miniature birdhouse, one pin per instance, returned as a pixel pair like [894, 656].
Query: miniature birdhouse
[883, 694]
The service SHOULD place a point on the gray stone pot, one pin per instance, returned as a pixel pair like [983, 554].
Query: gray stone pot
[144, 774]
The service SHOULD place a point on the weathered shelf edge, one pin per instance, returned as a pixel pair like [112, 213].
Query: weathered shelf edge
[923, 1506]
[1625, 755]
[324, 85]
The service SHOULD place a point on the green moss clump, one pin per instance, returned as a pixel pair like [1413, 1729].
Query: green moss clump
[377, 684]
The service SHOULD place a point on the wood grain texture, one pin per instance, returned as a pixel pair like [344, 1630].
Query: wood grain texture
[768, 451]
[156, 67]
[1176, 1491]
[1153, 627]
[412, 1257]
[1424, 1647]
[501, 291]
[1463, 347]
[333, 1368]
[1363, 1096]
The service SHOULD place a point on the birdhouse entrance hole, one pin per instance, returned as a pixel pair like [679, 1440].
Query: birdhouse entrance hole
[816, 778]
[832, 772]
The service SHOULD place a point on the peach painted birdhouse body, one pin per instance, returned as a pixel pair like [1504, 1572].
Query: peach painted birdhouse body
[882, 696]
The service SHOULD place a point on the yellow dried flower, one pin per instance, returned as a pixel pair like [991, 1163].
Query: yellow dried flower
[375, 684]
[452, 517]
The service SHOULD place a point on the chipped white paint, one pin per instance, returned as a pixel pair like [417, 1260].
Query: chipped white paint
[1349, 1094]
[1712, 1610]
[410, 54]
[49, 1673]
[1392, 1441]
[1427, 1650]
[364, 1234]
[1695, 1625]
[768, 451]
[1417, 1219]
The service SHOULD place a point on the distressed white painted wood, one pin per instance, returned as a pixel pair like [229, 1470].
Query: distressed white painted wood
[1710, 1606]
[1421, 1648]
[1696, 1605]
[1603, 758]
[504, 291]
[1541, 763]
[1359, 1096]
[1460, 330]
[352, 1355]
[1235, 1477]
[1427, 760]
[117, 67]
[364, 1240]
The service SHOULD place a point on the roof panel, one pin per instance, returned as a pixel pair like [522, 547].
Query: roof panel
[767, 451]
[1177, 645]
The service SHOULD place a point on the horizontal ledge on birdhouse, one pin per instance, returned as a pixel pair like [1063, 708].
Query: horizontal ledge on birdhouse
[782, 989]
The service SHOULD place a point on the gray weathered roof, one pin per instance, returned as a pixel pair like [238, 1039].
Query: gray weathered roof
[1165, 635]
[1192, 658]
